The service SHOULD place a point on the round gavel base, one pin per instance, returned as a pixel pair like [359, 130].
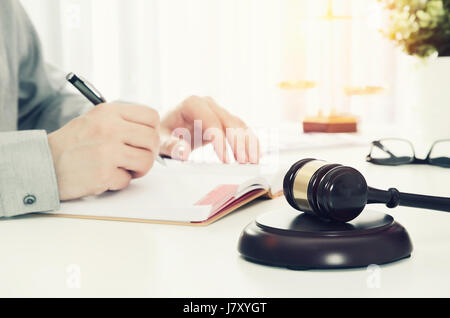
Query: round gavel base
[287, 239]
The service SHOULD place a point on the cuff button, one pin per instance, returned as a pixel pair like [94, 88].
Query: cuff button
[29, 199]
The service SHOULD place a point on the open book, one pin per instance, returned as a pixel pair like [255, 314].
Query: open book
[181, 193]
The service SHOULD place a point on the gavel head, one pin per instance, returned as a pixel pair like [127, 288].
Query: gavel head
[329, 191]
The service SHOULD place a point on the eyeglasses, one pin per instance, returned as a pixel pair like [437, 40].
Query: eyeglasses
[394, 152]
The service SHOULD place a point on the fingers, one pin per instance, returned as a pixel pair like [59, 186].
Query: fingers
[140, 115]
[104, 149]
[137, 161]
[174, 147]
[140, 136]
[238, 141]
[196, 108]
[243, 141]
[245, 145]
[252, 147]
[214, 133]
[119, 180]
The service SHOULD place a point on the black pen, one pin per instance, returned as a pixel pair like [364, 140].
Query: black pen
[94, 96]
[86, 88]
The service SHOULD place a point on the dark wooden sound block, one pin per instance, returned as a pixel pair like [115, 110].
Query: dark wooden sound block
[299, 241]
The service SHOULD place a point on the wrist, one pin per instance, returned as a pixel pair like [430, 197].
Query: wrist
[53, 146]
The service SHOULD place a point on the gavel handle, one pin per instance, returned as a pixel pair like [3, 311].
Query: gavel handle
[393, 198]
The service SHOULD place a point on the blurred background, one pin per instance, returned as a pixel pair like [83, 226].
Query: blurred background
[264, 60]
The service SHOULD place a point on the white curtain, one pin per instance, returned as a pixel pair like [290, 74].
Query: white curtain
[157, 52]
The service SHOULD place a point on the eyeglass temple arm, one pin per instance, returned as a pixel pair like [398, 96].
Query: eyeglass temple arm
[382, 147]
[393, 198]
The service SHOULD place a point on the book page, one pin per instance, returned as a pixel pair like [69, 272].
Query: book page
[205, 160]
[166, 193]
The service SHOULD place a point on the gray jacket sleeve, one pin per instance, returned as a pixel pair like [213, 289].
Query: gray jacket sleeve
[45, 101]
[28, 181]
[27, 175]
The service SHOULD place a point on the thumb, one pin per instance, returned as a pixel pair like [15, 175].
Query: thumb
[175, 148]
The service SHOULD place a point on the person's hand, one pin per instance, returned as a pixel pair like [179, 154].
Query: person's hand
[104, 149]
[217, 127]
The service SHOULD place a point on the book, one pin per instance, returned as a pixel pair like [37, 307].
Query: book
[180, 193]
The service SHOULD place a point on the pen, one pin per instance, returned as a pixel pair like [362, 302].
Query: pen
[94, 96]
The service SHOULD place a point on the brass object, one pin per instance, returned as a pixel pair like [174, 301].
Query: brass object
[363, 90]
[297, 85]
[301, 183]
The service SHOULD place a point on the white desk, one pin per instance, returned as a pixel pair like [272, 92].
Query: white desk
[141, 260]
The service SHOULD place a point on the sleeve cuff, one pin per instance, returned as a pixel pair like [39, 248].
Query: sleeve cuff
[27, 175]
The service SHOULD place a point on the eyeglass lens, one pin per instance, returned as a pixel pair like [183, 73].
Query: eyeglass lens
[440, 154]
[392, 152]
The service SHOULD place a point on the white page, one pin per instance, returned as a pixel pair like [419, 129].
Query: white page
[249, 172]
[166, 194]
[275, 181]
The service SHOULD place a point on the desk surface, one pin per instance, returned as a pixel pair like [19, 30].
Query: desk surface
[41, 256]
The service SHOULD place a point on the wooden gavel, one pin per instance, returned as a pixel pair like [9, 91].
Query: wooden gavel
[339, 193]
